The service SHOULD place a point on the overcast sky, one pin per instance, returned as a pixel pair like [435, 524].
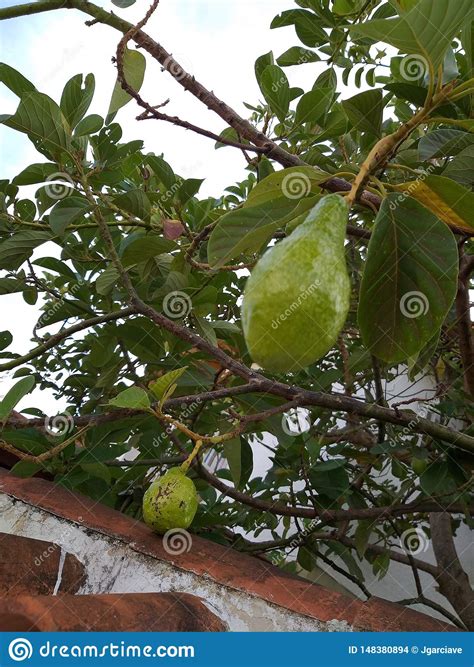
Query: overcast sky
[215, 40]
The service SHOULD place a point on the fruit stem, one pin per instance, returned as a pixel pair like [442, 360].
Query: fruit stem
[192, 456]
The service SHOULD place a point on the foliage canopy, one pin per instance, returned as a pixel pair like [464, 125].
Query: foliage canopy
[138, 282]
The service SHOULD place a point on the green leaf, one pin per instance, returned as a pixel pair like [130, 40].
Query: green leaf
[406, 5]
[15, 394]
[443, 143]
[276, 90]
[297, 55]
[277, 200]
[18, 248]
[162, 170]
[77, 97]
[362, 536]
[313, 105]
[346, 7]
[437, 479]
[67, 212]
[419, 362]
[107, 280]
[307, 25]
[6, 339]
[365, 111]
[89, 125]
[262, 63]
[231, 135]
[409, 281]
[246, 456]
[134, 65]
[26, 469]
[97, 469]
[206, 330]
[56, 265]
[326, 79]
[135, 202]
[161, 387]
[293, 183]
[232, 453]
[59, 311]
[450, 67]
[246, 229]
[144, 248]
[11, 285]
[30, 295]
[123, 4]
[305, 559]
[188, 189]
[25, 209]
[41, 119]
[133, 398]
[461, 169]
[36, 173]
[330, 482]
[15, 81]
[427, 29]
[335, 124]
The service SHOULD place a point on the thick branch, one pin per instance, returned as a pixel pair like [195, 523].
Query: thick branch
[464, 324]
[452, 579]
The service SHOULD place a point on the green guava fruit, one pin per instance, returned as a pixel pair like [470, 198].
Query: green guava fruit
[418, 465]
[296, 300]
[170, 502]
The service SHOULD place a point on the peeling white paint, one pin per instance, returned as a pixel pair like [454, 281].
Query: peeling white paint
[62, 560]
[114, 567]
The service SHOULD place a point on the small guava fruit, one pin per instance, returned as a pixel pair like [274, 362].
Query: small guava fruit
[296, 300]
[170, 502]
[418, 465]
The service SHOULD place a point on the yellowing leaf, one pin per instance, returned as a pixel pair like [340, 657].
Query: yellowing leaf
[450, 201]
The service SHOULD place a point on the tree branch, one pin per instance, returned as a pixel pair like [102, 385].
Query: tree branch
[52, 341]
[452, 579]
[328, 516]
[243, 127]
[464, 324]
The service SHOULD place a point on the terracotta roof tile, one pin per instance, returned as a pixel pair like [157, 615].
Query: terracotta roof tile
[227, 568]
[134, 612]
[29, 566]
